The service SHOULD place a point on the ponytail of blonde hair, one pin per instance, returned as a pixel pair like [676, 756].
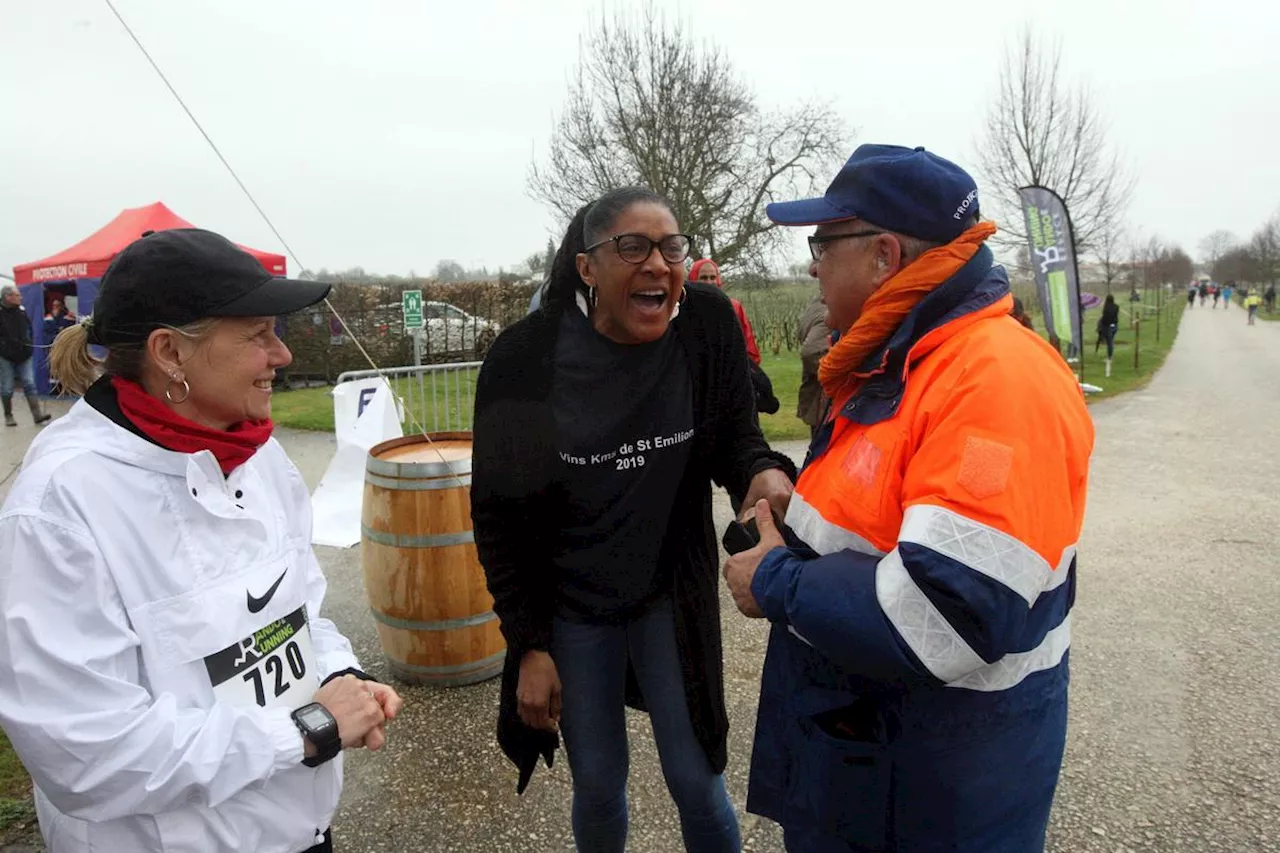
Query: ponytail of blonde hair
[70, 361]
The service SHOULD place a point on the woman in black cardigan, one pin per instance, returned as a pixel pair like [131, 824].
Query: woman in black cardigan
[601, 421]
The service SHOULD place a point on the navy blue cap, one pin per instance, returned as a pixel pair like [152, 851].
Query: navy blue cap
[907, 190]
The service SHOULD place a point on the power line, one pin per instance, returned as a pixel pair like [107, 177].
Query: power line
[420, 428]
[207, 139]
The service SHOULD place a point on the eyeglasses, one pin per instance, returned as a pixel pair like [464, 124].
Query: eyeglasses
[636, 248]
[817, 245]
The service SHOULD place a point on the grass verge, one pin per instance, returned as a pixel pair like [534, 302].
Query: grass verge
[1152, 337]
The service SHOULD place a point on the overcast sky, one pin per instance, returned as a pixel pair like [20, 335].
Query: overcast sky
[391, 135]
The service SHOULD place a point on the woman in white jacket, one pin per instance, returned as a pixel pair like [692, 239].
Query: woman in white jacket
[165, 673]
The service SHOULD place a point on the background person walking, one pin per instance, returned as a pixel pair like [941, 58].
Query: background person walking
[1251, 304]
[15, 356]
[1108, 325]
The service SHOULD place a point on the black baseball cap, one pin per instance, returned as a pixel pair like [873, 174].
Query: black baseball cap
[181, 275]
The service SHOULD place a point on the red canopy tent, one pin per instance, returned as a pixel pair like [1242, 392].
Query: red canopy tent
[72, 275]
[90, 257]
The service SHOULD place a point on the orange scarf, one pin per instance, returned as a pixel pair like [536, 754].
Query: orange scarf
[885, 310]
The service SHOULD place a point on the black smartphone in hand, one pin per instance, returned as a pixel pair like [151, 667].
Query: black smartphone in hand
[740, 537]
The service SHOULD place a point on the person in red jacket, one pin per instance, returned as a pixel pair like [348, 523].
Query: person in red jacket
[706, 271]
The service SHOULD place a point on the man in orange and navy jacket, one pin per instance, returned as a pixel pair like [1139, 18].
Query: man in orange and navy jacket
[914, 695]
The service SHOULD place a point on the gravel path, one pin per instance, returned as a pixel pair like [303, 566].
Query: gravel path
[1175, 739]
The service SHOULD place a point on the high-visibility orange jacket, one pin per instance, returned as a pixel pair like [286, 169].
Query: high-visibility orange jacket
[914, 691]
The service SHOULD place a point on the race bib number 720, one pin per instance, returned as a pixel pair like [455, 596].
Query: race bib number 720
[274, 666]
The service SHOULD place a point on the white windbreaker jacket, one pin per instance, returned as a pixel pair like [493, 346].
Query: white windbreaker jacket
[160, 623]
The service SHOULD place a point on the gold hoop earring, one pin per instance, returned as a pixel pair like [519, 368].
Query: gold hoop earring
[168, 393]
[684, 294]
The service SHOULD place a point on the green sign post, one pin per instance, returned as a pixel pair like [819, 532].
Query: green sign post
[412, 305]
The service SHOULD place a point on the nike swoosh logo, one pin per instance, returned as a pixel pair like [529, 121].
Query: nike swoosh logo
[256, 604]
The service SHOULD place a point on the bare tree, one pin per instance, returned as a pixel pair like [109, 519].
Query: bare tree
[1174, 266]
[1153, 264]
[1264, 248]
[799, 271]
[1133, 268]
[1144, 259]
[1109, 250]
[535, 264]
[1042, 131]
[449, 271]
[1214, 246]
[1235, 264]
[649, 106]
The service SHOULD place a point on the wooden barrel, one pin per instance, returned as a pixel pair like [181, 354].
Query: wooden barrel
[426, 589]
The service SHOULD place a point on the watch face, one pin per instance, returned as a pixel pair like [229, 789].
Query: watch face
[314, 718]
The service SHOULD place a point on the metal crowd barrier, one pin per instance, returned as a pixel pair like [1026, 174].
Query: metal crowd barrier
[437, 397]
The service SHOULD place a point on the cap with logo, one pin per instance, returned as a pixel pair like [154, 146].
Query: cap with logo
[179, 276]
[908, 190]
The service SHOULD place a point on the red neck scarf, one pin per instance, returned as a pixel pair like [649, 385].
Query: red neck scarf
[232, 447]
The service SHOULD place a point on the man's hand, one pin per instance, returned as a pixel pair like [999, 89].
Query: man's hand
[771, 485]
[740, 569]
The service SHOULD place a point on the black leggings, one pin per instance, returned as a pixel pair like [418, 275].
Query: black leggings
[1108, 334]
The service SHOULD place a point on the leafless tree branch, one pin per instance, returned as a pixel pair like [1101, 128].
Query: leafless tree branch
[649, 106]
[1041, 131]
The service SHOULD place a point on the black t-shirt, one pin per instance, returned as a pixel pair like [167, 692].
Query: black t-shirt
[624, 429]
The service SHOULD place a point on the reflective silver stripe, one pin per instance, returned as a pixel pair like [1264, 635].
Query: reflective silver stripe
[440, 625]
[1060, 574]
[1011, 669]
[434, 540]
[442, 468]
[821, 535]
[925, 631]
[492, 660]
[417, 485]
[984, 549]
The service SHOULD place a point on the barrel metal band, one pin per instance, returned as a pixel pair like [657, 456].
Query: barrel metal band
[417, 485]
[439, 625]
[418, 469]
[492, 660]
[431, 540]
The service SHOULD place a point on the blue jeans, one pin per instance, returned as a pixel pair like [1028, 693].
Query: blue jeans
[20, 372]
[592, 664]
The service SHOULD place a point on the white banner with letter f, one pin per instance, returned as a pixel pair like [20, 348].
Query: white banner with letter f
[365, 413]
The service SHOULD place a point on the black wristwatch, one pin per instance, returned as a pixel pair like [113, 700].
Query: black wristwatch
[318, 726]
